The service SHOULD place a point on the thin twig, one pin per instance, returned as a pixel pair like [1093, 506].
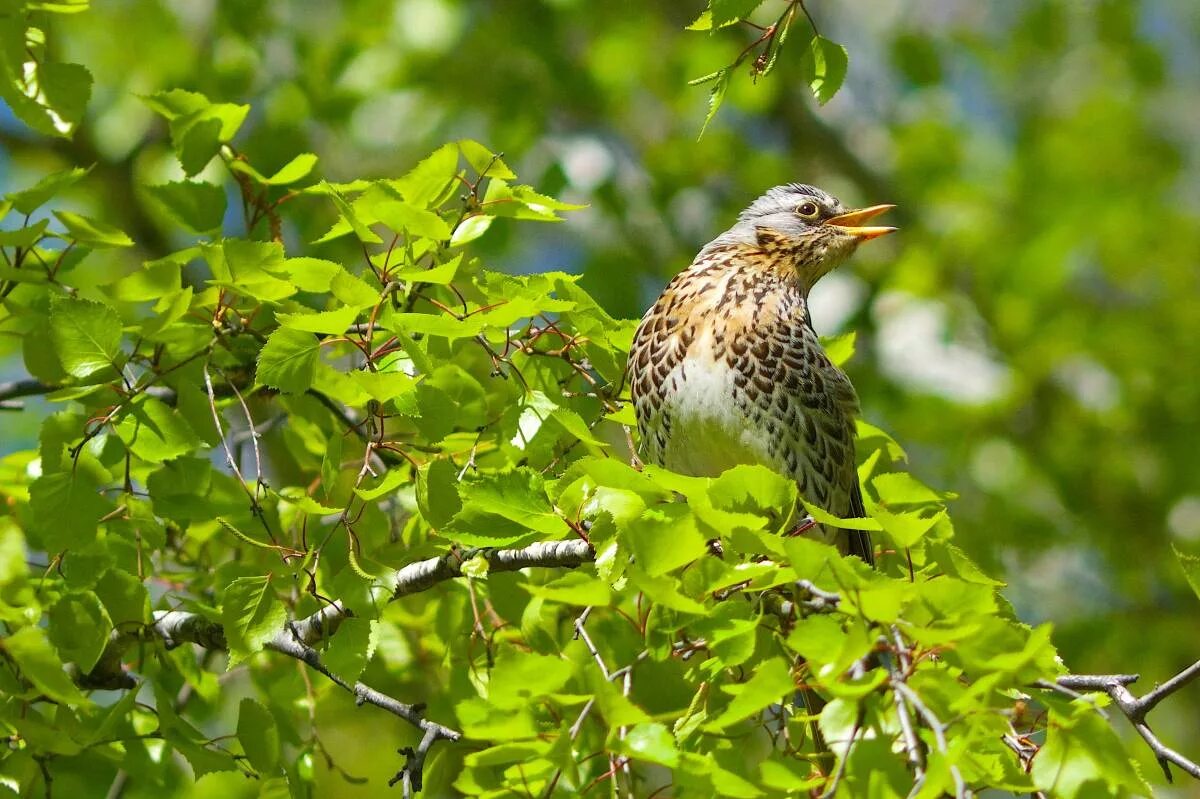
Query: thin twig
[1136, 708]
[939, 733]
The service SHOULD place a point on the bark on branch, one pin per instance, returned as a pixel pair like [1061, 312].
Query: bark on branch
[1135, 708]
[297, 639]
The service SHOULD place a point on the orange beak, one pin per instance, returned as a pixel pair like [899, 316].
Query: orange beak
[850, 222]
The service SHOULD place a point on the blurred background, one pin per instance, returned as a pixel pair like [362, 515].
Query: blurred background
[1031, 337]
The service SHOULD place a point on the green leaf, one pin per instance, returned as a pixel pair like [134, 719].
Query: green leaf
[91, 232]
[731, 631]
[124, 597]
[507, 753]
[665, 538]
[155, 432]
[29, 200]
[38, 664]
[259, 736]
[24, 237]
[58, 6]
[154, 281]
[753, 489]
[726, 12]
[297, 496]
[538, 408]
[247, 268]
[296, 169]
[573, 588]
[470, 229]
[437, 492]
[481, 719]
[49, 97]
[503, 508]
[335, 322]
[198, 126]
[349, 217]
[372, 489]
[441, 274]
[13, 569]
[288, 361]
[901, 488]
[907, 528]
[79, 628]
[1191, 567]
[839, 349]
[431, 179]
[354, 291]
[484, 161]
[820, 639]
[390, 387]
[715, 98]
[870, 435]
[175, 103]
[86, 335]
[787, 777]
[651, 742]
[1083, 757]
[415, 222]
[828, 519]
[351, 647]
[435, 324]
[772, 681]
[612, 703]
[664, 591]
[198, 206]
[308, 274]
[520, 677]
[824, 67]
[701, 23]
[522, 202]
[65, 509]
[251, 615]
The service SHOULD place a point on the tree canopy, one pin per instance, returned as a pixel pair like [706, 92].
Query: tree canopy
[315, 449]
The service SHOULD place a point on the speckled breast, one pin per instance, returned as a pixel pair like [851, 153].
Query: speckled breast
[725, 371]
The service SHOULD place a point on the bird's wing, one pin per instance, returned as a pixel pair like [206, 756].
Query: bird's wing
[859, 540]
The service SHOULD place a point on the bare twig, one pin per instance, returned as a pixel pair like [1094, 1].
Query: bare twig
[581, 633]
[939, 733]
[1135, 708]
[912, 744]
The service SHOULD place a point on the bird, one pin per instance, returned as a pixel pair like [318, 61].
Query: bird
[726, 369]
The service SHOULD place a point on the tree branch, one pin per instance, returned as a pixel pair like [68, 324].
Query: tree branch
[423, 575]
[296, 639]
[1136, 708]
[15, 389]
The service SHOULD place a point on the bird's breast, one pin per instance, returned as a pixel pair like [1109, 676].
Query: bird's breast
[712, 425]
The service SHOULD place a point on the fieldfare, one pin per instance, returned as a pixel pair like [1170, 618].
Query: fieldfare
[726, 368]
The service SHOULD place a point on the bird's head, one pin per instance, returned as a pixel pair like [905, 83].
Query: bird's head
[809, 227]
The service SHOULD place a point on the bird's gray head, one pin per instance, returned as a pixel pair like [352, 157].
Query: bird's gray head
[810, 227]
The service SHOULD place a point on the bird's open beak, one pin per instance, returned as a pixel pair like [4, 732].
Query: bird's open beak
[850, 222]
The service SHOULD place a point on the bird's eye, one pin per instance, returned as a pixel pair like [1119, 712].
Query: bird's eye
[808, 210]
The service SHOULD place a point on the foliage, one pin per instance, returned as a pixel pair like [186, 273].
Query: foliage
[823, 67]
[269, 390]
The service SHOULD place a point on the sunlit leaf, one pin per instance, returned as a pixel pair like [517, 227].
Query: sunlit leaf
[288, 361]
[86, 335]
[824, 67]
[251, 615]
